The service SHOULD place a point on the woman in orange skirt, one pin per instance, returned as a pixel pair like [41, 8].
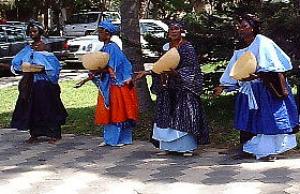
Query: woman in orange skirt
[117, 100]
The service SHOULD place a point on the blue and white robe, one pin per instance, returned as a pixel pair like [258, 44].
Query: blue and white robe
[257, 111]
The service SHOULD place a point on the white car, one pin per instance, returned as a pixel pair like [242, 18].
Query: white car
[82, 24]
[77, 47]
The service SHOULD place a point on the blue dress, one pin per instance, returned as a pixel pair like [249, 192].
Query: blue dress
[115, 133]
[39, 107]
[257, 110]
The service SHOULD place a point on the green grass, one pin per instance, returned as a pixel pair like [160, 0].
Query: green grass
[219, 113]
[80, 104]
[211, 67]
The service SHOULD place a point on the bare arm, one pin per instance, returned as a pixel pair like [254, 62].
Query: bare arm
[218, 90]
[140, 74]
[82, 82]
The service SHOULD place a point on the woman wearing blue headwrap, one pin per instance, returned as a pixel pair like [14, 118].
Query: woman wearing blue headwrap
[266, 112]
[117, 101]
[39, 107]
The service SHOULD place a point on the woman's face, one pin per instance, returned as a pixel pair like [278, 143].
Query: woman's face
[34, 33]
[103, 35]
[244, 29]
[174, 32]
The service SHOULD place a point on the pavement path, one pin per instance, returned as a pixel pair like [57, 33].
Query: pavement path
[76, 165]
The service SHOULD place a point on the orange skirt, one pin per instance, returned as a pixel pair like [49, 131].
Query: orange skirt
[123, 106]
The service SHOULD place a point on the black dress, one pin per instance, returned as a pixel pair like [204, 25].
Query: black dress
[39, 107]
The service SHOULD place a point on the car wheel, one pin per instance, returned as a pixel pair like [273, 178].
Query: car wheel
[87, 33]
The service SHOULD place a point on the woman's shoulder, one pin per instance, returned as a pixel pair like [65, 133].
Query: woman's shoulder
[262, 39]
[113, 44]
[259, 40]
[186, 45]
[111, 47]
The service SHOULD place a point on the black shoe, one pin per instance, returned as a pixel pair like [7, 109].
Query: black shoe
[31, 140]
[242, 155]
[270, 158]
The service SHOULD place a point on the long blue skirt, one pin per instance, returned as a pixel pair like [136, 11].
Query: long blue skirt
[266, 145]
[273, 116]
[272, 123]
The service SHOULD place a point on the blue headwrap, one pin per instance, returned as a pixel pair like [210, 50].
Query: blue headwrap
[107, 25]
[176, 23]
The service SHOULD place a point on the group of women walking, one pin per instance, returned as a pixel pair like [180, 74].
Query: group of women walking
[267, 123]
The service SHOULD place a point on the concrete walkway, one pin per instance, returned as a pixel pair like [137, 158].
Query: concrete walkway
[76, 165]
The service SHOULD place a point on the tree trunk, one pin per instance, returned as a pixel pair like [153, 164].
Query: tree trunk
[130, 33]
[298, 3]
[144, 8]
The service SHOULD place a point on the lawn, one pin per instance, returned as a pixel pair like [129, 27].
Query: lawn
[80, 104]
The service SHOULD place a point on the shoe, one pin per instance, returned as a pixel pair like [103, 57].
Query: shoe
[188, 154]
[162, 153]
[242, 155]
[120, 145]
[102, 144]
[31, 140]
[270, 158]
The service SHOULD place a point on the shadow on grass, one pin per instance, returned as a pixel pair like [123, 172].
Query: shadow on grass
[5, 119]
[220, 114]
[80, 121]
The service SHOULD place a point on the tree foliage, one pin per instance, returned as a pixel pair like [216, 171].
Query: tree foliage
[213, 33]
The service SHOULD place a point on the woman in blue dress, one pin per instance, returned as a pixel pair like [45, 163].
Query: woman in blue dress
[179, 123]
[265, 112]
[39, 107]
[117, 108]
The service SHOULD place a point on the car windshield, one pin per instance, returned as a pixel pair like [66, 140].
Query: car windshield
[83, 18]
[114, 17]
[145, 27]
[12, 34]
[148, 27]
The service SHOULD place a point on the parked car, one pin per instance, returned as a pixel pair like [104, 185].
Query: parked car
[77, 47]
[84, 23]
[12, 40]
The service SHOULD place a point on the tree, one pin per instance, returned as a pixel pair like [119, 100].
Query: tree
[130, 34]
